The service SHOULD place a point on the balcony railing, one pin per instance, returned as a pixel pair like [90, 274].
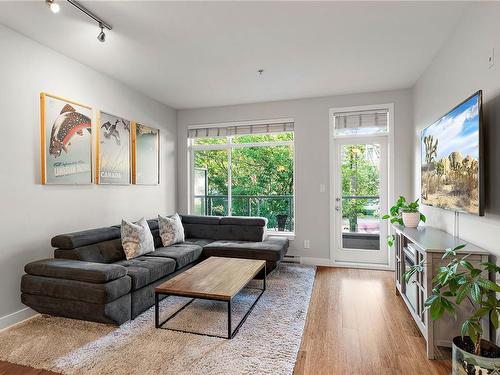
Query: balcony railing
[361, 222]
[278, 209]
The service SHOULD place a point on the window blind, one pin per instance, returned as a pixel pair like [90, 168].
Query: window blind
[361, 122]
[243, 129]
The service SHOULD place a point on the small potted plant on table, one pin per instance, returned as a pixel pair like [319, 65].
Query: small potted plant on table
[405, 213]
[461, 282]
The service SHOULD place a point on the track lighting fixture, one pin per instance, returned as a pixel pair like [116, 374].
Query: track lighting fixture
[53, 6]
[102, 36]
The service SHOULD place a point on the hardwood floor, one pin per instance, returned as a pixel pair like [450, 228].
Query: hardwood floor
[357, 325]
[7, 368]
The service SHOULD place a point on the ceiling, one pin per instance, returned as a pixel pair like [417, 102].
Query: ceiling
[199, 54]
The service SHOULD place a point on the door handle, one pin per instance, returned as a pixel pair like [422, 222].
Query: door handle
[337, 208]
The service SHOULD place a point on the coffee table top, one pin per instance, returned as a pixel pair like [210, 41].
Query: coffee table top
[214, 278]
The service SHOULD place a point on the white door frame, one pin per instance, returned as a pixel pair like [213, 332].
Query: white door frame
[390, 180]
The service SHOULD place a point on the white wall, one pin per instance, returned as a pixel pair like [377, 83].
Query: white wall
[458, 70]
[32, 213]
[312, 154]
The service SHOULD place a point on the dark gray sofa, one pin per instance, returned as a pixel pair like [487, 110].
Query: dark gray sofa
[90, 279]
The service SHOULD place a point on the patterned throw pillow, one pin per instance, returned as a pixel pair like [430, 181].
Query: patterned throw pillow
[171, 230]
[136, 238]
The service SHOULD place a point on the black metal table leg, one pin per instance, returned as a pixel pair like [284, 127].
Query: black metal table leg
[265, 276]
[229, 333]
[157, 310]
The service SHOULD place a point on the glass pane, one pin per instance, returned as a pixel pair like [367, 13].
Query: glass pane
[200, 190]
[213, 201]
[254, 138]
[262, 185]
[360, 196]
[210, 141]
[361, 131]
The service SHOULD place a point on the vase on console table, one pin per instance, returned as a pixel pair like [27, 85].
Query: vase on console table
[410, 219]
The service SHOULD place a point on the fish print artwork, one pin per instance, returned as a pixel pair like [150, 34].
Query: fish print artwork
[67, 146]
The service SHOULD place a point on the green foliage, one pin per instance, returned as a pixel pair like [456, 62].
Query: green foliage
[395, 214]
[460, 281]
[256, 171]
[360, 177]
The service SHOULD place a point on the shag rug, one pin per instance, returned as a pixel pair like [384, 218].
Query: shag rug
[267, 343]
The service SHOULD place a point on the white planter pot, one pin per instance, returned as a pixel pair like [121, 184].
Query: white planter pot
[411, 219]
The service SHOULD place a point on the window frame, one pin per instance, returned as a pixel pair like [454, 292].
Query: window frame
[229, 146]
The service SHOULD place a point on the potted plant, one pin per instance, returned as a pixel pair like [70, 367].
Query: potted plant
[281, 219]
[461, 282]
[405, 214]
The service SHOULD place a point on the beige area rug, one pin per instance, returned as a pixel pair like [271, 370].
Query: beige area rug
[267, 343]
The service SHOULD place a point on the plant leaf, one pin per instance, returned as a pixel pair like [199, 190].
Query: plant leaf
[487, 284]
[462, 292]
[494, 318]
[491, 267]
[475, 292]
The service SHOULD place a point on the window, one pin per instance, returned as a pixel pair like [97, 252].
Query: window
[244, 170]
[369, 122]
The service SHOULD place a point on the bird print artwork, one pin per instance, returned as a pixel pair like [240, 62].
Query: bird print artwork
[111, 131]
[114, 150]
[68, 124]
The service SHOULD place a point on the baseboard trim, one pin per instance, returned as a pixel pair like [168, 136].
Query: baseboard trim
[17, 317]
[325, 262]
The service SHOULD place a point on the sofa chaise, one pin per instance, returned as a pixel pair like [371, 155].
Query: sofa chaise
[89, 277]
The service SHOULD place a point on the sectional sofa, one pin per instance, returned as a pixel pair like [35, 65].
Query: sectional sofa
[90, 279]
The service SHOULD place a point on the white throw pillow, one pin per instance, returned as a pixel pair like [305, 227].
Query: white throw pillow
[136, 238]
[171, 230]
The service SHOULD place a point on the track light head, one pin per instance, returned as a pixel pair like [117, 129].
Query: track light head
[102, 36]
[54, 7]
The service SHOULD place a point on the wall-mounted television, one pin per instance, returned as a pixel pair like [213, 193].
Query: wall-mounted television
[452, 161]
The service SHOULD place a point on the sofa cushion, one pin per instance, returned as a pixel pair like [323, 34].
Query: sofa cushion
[85, 237]
[137, 239]
[183, 253]
[269, 249]
[199, 241]
[224, 232]
[195, 219]
[171, 230]
[76, 270]
[244, 220]
[144, 270]
[103, 252]
[76, 290]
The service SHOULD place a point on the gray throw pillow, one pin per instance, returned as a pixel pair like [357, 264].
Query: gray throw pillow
[137, 239]
[171, 230]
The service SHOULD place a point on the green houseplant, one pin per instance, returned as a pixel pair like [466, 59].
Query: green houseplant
[459, 282]
[404, 213]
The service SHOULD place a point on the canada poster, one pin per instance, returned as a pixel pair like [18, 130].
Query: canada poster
[114, 150]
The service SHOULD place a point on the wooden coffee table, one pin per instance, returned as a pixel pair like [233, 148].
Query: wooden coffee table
[216, 278]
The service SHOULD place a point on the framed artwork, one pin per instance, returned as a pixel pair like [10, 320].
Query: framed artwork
[145, 155]
[66, 141]
[113, 150]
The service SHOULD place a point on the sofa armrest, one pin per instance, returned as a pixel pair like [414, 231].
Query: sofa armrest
[97, 273]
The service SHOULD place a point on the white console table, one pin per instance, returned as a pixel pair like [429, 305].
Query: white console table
[413, 245]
